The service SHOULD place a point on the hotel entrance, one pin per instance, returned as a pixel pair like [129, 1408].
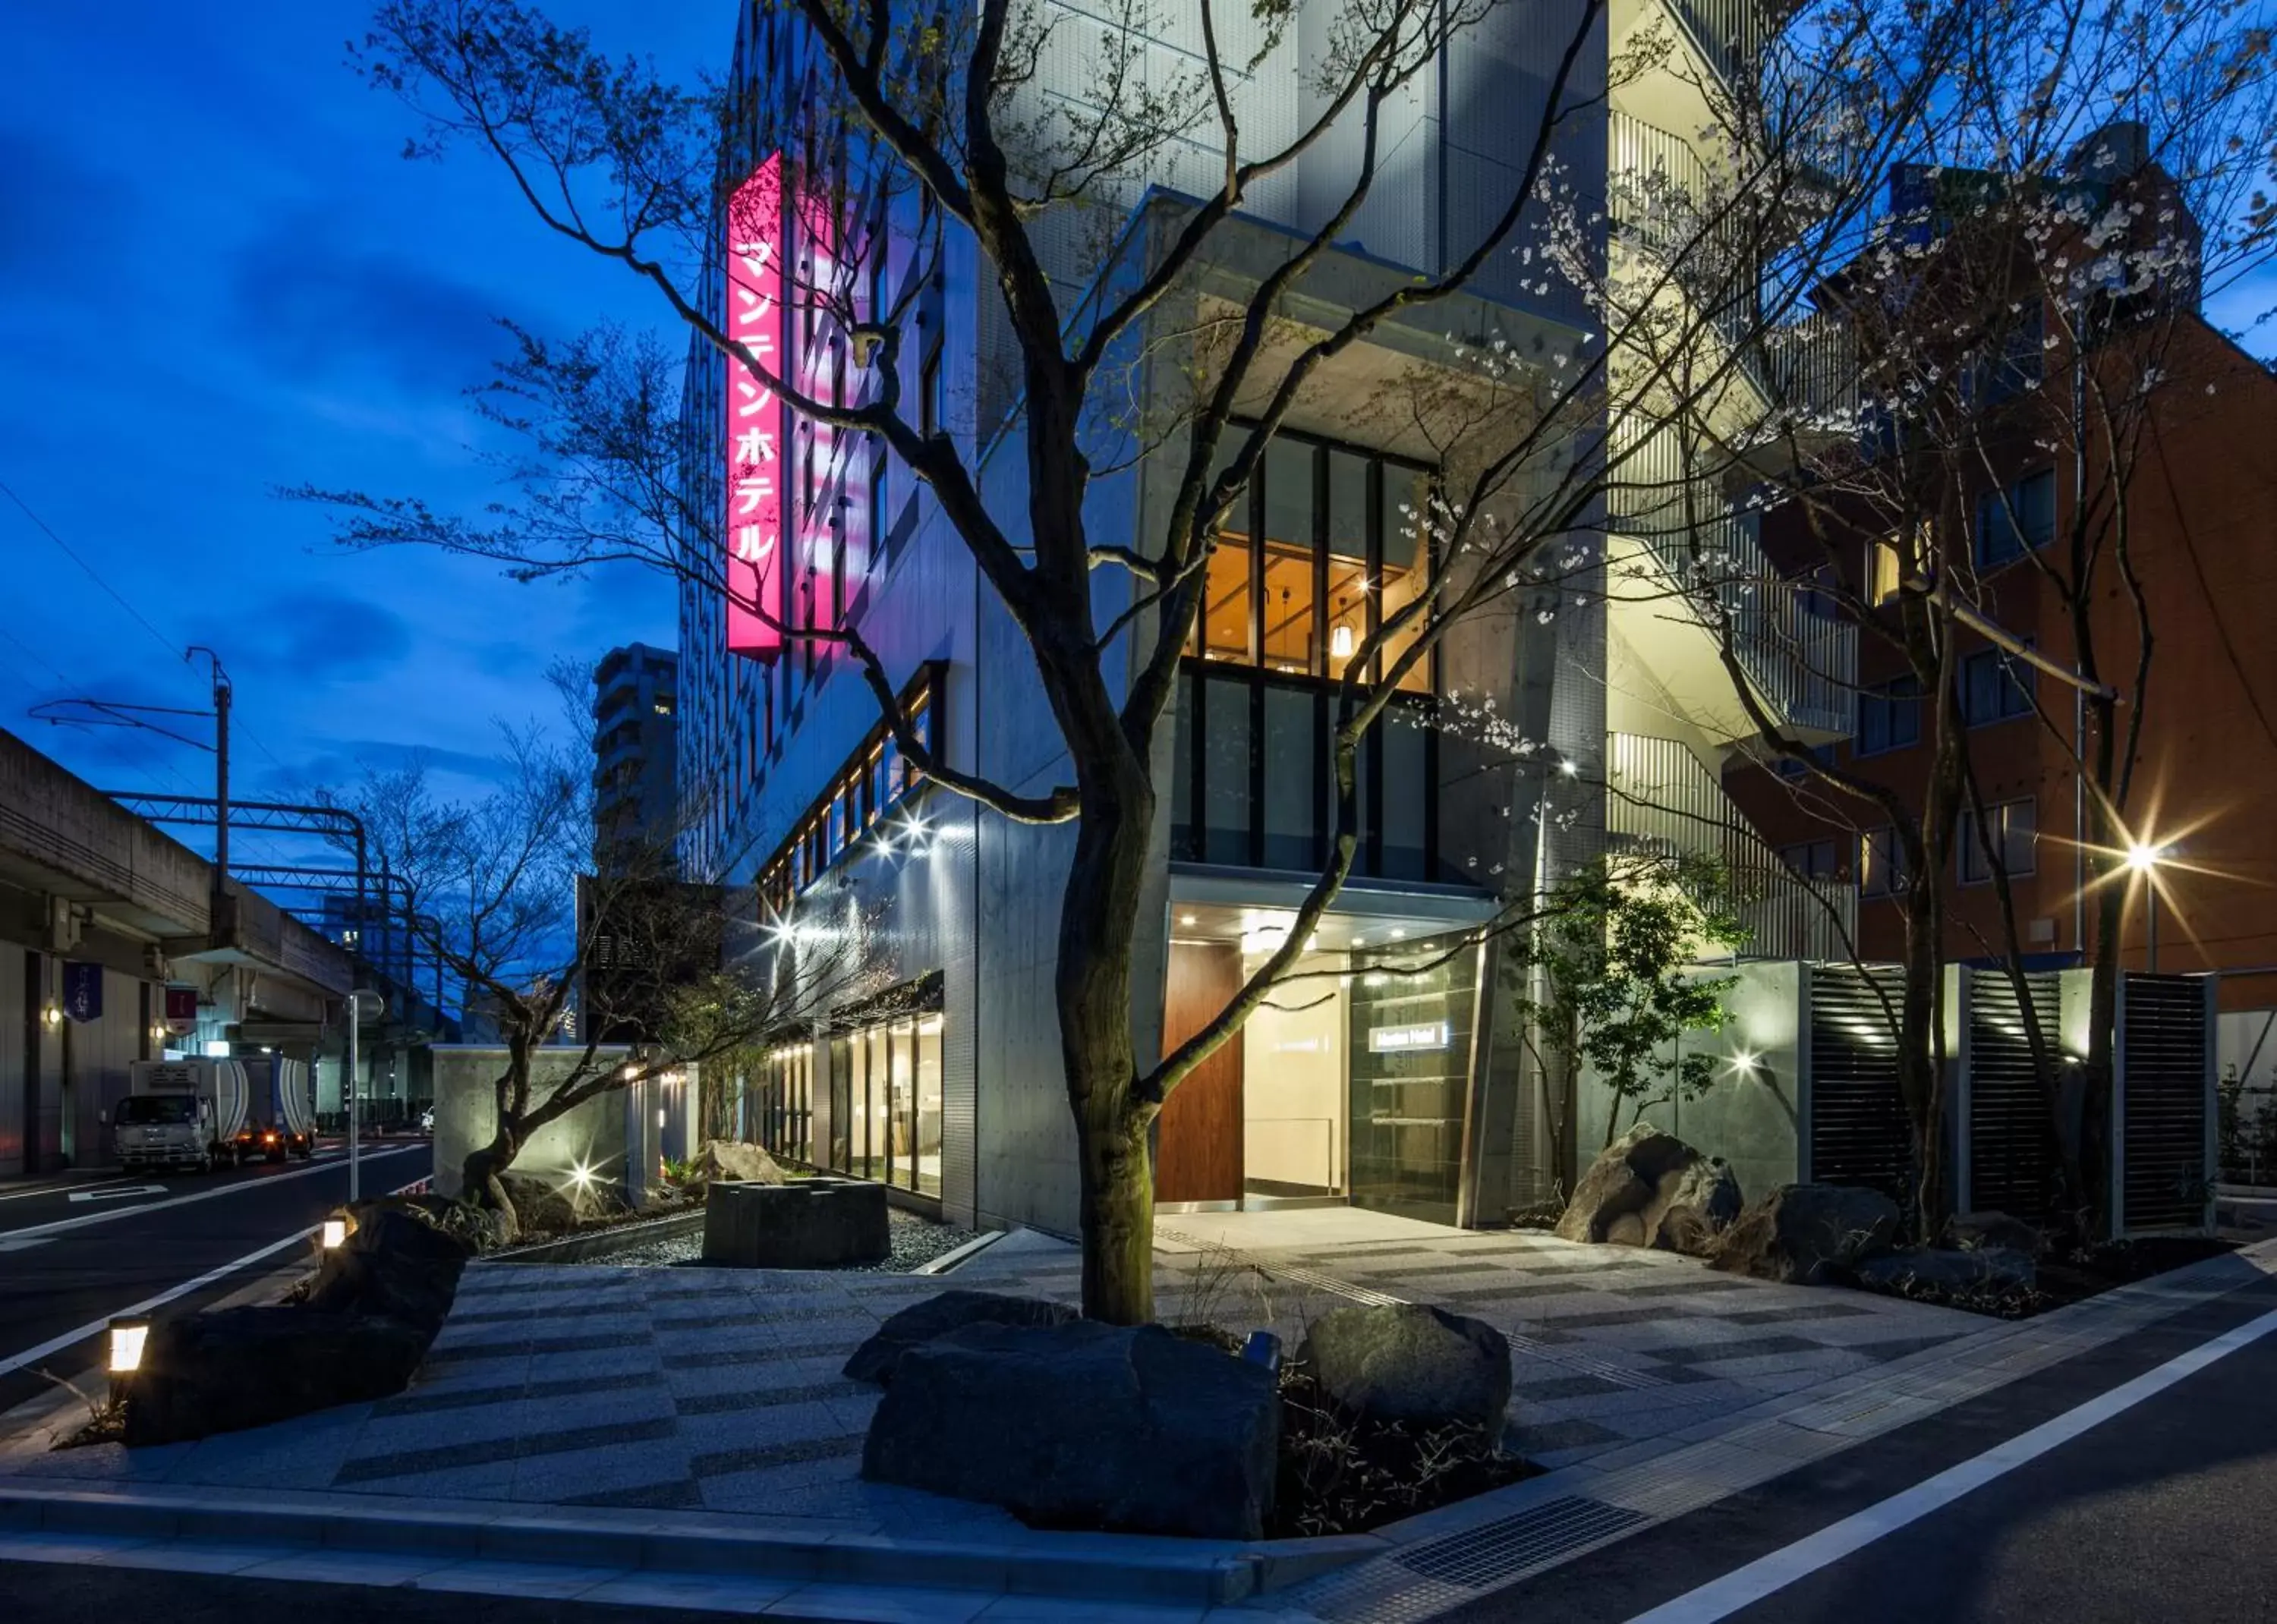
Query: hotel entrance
[1350, 1086]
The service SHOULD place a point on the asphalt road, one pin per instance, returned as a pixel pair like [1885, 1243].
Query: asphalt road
[75, 1253]
[2163, 1510]
[39, 1593]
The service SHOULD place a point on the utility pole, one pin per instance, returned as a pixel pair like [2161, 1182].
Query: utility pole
[222, 695]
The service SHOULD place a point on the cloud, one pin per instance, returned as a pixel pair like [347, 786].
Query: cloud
[314, 637]
[316, 308]
[61, 218]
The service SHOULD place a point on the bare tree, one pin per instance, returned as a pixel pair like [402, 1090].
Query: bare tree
[575, 968]
[1163, 333]
[2032, 290]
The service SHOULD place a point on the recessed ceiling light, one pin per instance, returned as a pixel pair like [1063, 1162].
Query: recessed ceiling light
[1400, 936]
[1187, 919]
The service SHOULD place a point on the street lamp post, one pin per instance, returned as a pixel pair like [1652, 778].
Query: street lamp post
[354, 1089]
[2144, 859]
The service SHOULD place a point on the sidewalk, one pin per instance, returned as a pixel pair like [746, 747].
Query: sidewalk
[638, 1418]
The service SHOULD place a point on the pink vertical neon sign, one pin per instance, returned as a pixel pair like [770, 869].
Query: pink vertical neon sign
[756, 560]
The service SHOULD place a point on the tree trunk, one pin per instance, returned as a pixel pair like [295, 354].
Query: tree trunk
[1098, 909]
[481, 1175]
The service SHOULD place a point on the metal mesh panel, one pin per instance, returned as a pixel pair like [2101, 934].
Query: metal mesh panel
[2009, 1168]
[2163, 1054]
[1858, 1129]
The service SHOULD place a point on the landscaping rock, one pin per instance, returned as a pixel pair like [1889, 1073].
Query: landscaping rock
[249, 1367]
[482, 1229]
[1990, 1271]
[1651, 1188]
[1083, 1425]
[1694, 1206]
[1412, 1364]
[921, 1321]
[393, 1265]
[1970, 1232]
[1808, 1235]
[726, 1159]
[542, 1208]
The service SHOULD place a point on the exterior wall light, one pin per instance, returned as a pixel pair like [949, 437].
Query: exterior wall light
[336, 1233]
[128, 1334]
[53, 1014]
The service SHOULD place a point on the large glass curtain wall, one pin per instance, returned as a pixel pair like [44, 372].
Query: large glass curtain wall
[1327, 544]
[786, 1103]
[887, 1080]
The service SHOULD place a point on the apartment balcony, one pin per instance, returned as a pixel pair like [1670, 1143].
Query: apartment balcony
[1693, 579]
[1661, 799]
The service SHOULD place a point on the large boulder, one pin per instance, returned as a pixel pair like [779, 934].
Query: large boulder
[1085, 1426]
[393, 1265]
[1808, 1235]
[482, 1229]
[921, 1321]
[541, 1206]
[1651, 1188]
[729, 1160]
[248, 1367]
[1409, 1363]
[1694, 1206]
[1980, 1272]
[1970, 1232]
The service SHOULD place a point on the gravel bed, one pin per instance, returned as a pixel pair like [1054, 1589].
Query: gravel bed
[915, 1241]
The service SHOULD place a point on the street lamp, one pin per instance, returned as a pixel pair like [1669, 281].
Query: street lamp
[2143, 858]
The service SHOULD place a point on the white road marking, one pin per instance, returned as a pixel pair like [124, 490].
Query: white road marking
[1743, 1587]
[60, 1224]
[121, 1195]
[13, 1362]
[59, 1187]
[55, 1344]
[9, 1243]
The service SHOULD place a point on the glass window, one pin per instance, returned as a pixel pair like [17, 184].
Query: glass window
[1184, 844]
[1881, 571]
[1225, 771]
[1889, 716]
[928, 1105]
[1813, 859]
[1292, 737]
[1407, 775]
[1347, 545]
[1881, 864]
[1289, 547]
[1406, 567]
[1995, 687]
[2011, 520]
[1225, 622]
[2012, 825]
[901, 1106]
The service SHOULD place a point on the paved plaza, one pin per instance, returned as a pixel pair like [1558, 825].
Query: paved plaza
[715, 1390]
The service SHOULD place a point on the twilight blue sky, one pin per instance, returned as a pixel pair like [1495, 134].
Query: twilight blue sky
[218, 276]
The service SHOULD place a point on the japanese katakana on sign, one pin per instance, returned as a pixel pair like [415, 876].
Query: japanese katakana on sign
[757, 289]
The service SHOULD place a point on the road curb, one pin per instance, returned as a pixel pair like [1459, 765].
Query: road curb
[1088, 1567]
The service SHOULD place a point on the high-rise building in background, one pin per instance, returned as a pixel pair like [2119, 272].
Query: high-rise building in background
[636, 745]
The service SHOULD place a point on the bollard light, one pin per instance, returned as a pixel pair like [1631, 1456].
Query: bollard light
[128, 1334]
[336, 1231]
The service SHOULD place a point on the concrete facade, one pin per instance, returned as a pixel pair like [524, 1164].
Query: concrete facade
[635, 750]
[84, 882]
[619, 1138]
[1456, 827]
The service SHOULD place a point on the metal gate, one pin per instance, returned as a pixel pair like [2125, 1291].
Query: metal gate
[2162, 1168]
[1857, 1131]
[2009, 1121]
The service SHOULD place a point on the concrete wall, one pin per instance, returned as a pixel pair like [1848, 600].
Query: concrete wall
[1752, 1117]
[466, 1116]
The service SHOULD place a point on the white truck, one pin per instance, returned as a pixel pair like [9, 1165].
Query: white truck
[196, 1113]
[180, 1113]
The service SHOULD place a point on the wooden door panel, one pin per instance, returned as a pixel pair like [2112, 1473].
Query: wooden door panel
[1198, 1143]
